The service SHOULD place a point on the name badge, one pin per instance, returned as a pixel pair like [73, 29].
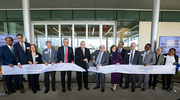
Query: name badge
[27, 47]
[37, 56]
[46, 52]
[165, 56]
[142, 54]
[128, 53]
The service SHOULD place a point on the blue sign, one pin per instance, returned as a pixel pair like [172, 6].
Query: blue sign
[3, 42]
[168, 42]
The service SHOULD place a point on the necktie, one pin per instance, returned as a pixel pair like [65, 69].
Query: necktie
[83, 52]
[131, 59]
[66, 58]
[144, 56]
[49, 56]
[12, 50]
[22, 47]
[99, 58]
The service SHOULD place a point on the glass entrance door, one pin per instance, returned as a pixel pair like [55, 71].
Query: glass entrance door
[94, 33]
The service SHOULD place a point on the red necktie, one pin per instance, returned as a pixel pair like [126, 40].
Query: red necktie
[66, 58]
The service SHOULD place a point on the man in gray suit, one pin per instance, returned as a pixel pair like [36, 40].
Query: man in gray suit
[49, 56]
[131, 57]
[100, 58]
[159, 61]
[148, 58]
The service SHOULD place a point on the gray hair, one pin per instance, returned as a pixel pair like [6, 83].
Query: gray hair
[48, 42]
[161, 48]
[101, 45]
[65, 39]
[82, 41]
[133, 43]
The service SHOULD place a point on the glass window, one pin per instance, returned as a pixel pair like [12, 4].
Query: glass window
[79, 35]
[40, 15]
[15, 15]
[39, 37]
[61, 15]
[128, 32]
[3, 28]
[16, 28]
[170, 16]
[147, 16]
[107, 36]
[2, 15]
[105, 15]
[83, 15]
[53, 35]
[66, 32]
[128, 15]
[93, 42]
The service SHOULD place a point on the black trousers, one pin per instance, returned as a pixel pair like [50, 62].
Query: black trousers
[34, 81]
[133, 80]
[85, 78]
[8, 79]
[18, 82]
[120, 84]
[166, 80]
[46, 78]
[63, 73]
[153, 80]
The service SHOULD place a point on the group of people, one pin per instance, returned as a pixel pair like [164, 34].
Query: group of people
[25, 53]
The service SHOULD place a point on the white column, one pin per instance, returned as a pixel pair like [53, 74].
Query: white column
[154, 25]
[26, 20]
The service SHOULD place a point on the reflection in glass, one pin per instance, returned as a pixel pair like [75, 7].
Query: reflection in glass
[107, 36]
[39, 37]
[66, 32]
[3, 28]
[16, 28]
[128, 32]
[93, 37]
[53, 35]
[79, 34]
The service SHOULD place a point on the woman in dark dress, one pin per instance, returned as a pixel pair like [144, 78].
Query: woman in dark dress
[34, 58]
[115, 58]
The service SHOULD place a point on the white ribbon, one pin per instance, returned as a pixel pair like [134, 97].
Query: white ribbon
[39, 68]
[135, 69]
[129, 69]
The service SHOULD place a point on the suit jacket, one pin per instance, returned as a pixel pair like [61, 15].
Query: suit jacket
[175, 57]
[104, 59]
[79, 57]
[136, 59]
[20, 55]
[38, 58]
[61, 57]
[160, 60]
[45, 55]
[150, 58]
[6, 56]
[123, 53]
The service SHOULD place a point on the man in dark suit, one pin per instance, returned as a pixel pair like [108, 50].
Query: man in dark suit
[21, 50]
[82, 58]
[7, 58]
[100, 58]
[122, 51]
[131, 57]
[65, 55]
